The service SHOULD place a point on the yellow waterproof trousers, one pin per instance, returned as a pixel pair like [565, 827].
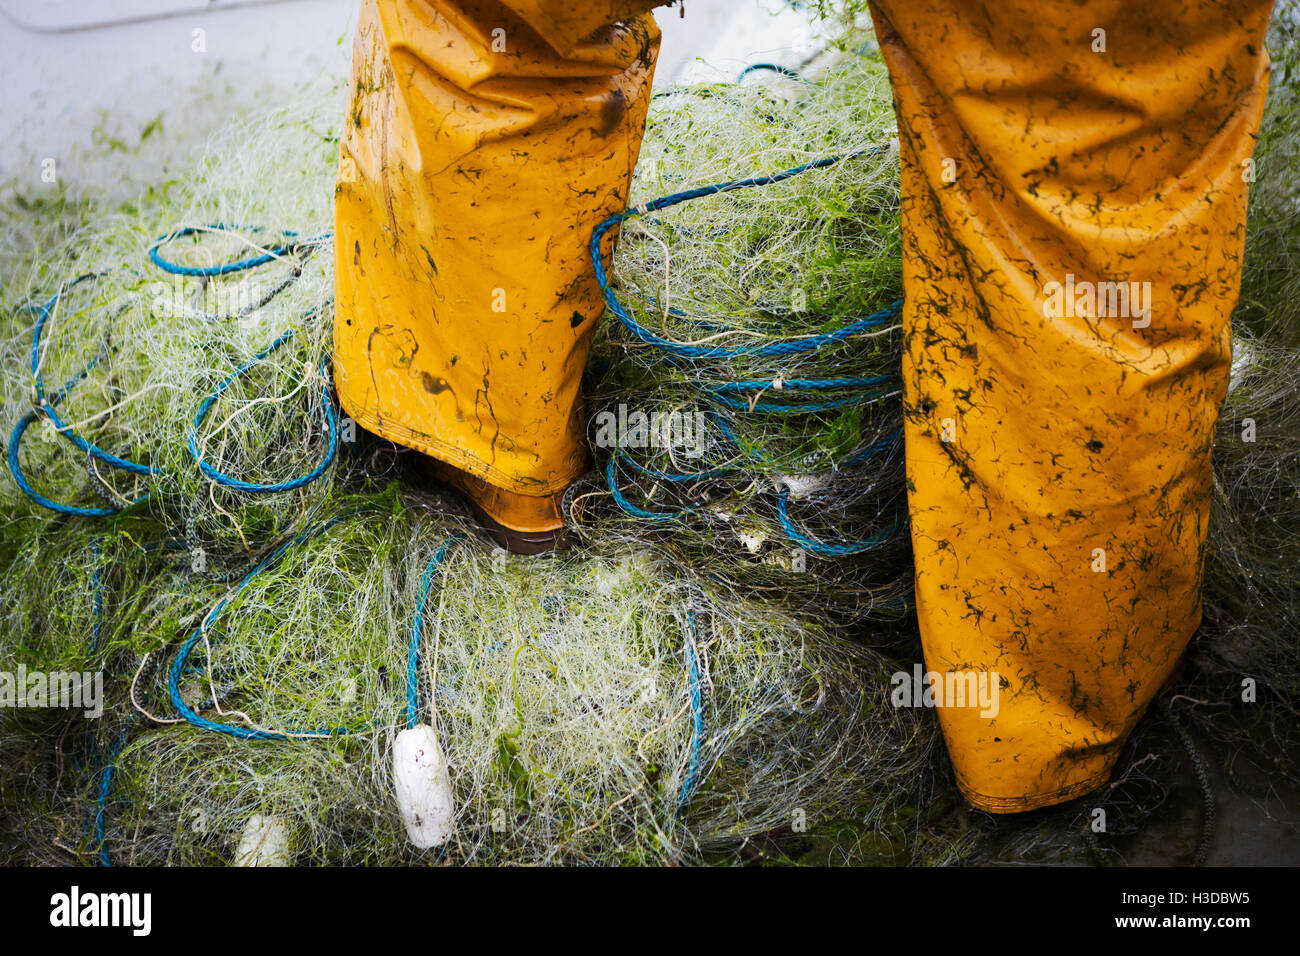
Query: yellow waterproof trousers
[483, 142]
[1074, 198]
[1058, 425]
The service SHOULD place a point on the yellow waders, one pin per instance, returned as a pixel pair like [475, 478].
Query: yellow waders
[482, 143]
[1058, 443]
[1058, 428]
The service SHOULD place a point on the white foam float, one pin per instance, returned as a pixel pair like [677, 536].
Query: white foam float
[422, 784]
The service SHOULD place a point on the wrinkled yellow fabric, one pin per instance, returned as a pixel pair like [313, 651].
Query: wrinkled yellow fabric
[482, 143]
[1058, 461]
[1059, 464]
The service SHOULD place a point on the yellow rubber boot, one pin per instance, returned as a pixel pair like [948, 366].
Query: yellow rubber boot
[1058, 430]
[483, 142]
[523, 524]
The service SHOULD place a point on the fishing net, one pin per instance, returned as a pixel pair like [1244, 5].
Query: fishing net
[705, 680]
[745, 404]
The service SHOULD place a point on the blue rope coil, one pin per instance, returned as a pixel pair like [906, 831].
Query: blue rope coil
[657, 475]
[45, 406]
[822, 548]
[864, 392]
[166, 265]
[810, 545]
[730, 394]
[15, 445]
[612, 482]
[181, 662]
[791, 346]
[238, 484]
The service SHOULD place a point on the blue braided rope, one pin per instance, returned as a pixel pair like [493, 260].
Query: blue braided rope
[417, 631]
[15, 444]
[20, 479]
[621, 454]
[180, 664]
[611, 481]
[782, 506]
[101, 797]
[658, 475]
[226, 268]
[781, 347]
[867, 389]
[697, 716]
[782, 511]
[48, 408]
[718, 472]
[220, 477]
[863, 387]
[813, 546]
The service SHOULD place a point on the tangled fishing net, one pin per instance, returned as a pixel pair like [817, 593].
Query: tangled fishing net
[706, 679]
[186, 512]
[597, 708]
[565, 691]
[722, 415]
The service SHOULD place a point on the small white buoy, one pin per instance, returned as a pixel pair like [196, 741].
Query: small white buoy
[264, 842]
[422, 785]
